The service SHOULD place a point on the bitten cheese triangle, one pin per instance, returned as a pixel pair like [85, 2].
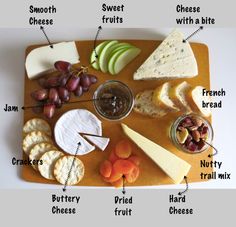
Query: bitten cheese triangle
[175, 167]
[173, 58]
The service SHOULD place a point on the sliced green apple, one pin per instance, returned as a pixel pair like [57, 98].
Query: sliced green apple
[113, 58]
[104, 55]
[125, 58]
[98, 50]
[120, 47]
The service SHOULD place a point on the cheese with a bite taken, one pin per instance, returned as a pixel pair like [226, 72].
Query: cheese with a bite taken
[175, 167]
[173, 58]
[42, 59]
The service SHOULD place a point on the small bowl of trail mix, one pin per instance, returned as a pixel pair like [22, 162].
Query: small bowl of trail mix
[191, 133]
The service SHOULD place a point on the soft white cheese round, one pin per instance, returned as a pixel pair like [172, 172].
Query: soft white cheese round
[68, 127]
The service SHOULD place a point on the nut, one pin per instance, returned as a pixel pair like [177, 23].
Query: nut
[193, 128]
[196, 135]
[197, 121]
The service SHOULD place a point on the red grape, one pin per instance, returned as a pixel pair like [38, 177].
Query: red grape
[49, 110]
[63, 79]
[73, 83]
[42, 82]
[78, 91]
[53, 95]
[62, 66]
[85, 80]
[40, 95]
[63, 94]
[53, 81]
[58, 104]
[93, 79]
[85, 89]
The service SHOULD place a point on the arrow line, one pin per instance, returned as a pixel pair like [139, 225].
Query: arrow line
[123, 190]
[201, 28]
[50, 44]
[64, 188]
[85, 100]
[180, 193]
[95, 41]
[216, 151]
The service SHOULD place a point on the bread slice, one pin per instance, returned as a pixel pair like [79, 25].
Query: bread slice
[161, 98]
[195, 99]
[143, 104]
[173, 58]
[178, 96]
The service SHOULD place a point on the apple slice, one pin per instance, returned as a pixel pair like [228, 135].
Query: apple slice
[97, 51]
[125, 58]
[113, 58]
[105, 53]
[119, 46]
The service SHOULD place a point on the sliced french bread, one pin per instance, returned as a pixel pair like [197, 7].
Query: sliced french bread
[161, 98]
[177, 95]
[143, 104]
[195, 99]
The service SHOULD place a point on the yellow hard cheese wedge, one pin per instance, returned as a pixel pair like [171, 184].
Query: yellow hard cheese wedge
[173, 166]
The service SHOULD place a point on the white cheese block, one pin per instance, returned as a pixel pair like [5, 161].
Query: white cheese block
[173, 58]
[173, 166]
[42, 59]
[100, 142]
[68, 127]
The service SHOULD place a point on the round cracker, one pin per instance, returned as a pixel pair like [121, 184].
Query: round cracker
[69, 170]
[38, 150]
[37, 124]
[33, 138]
[49, 159]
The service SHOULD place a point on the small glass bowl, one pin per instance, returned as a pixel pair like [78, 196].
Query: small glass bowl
[183, 147]
[110, 96]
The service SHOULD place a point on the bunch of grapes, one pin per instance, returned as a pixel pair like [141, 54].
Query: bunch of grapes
[57, 90]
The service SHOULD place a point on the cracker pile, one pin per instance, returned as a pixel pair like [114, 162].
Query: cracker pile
[52, 164]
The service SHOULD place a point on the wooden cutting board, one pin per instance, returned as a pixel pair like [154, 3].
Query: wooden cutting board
[156, 130]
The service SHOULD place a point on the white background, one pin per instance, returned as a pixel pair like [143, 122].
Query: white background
[222, 47]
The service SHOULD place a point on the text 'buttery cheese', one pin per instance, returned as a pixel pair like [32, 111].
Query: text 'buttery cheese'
[175, 167]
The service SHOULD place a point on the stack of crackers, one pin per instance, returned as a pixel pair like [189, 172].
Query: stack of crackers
[51, 163]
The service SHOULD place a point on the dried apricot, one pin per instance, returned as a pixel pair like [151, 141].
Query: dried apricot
[113, 157]
[123, 166]
[135, 159]
[133, 175]
[118, 183]
[106, 168]
[123, 149]
[113, 177]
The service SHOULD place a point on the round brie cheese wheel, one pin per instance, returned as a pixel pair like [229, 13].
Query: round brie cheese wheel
[69, 126]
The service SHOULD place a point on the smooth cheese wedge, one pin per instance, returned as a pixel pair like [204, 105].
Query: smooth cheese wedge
[42, 59]
[173, 166]
[69, 126]
[100, 142]
[172, 59]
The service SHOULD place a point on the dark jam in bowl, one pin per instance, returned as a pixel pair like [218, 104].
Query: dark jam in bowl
[113, 100]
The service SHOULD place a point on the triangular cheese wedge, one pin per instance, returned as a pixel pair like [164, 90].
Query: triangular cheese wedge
[100, 142]
[175, 167]
[172, 59]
